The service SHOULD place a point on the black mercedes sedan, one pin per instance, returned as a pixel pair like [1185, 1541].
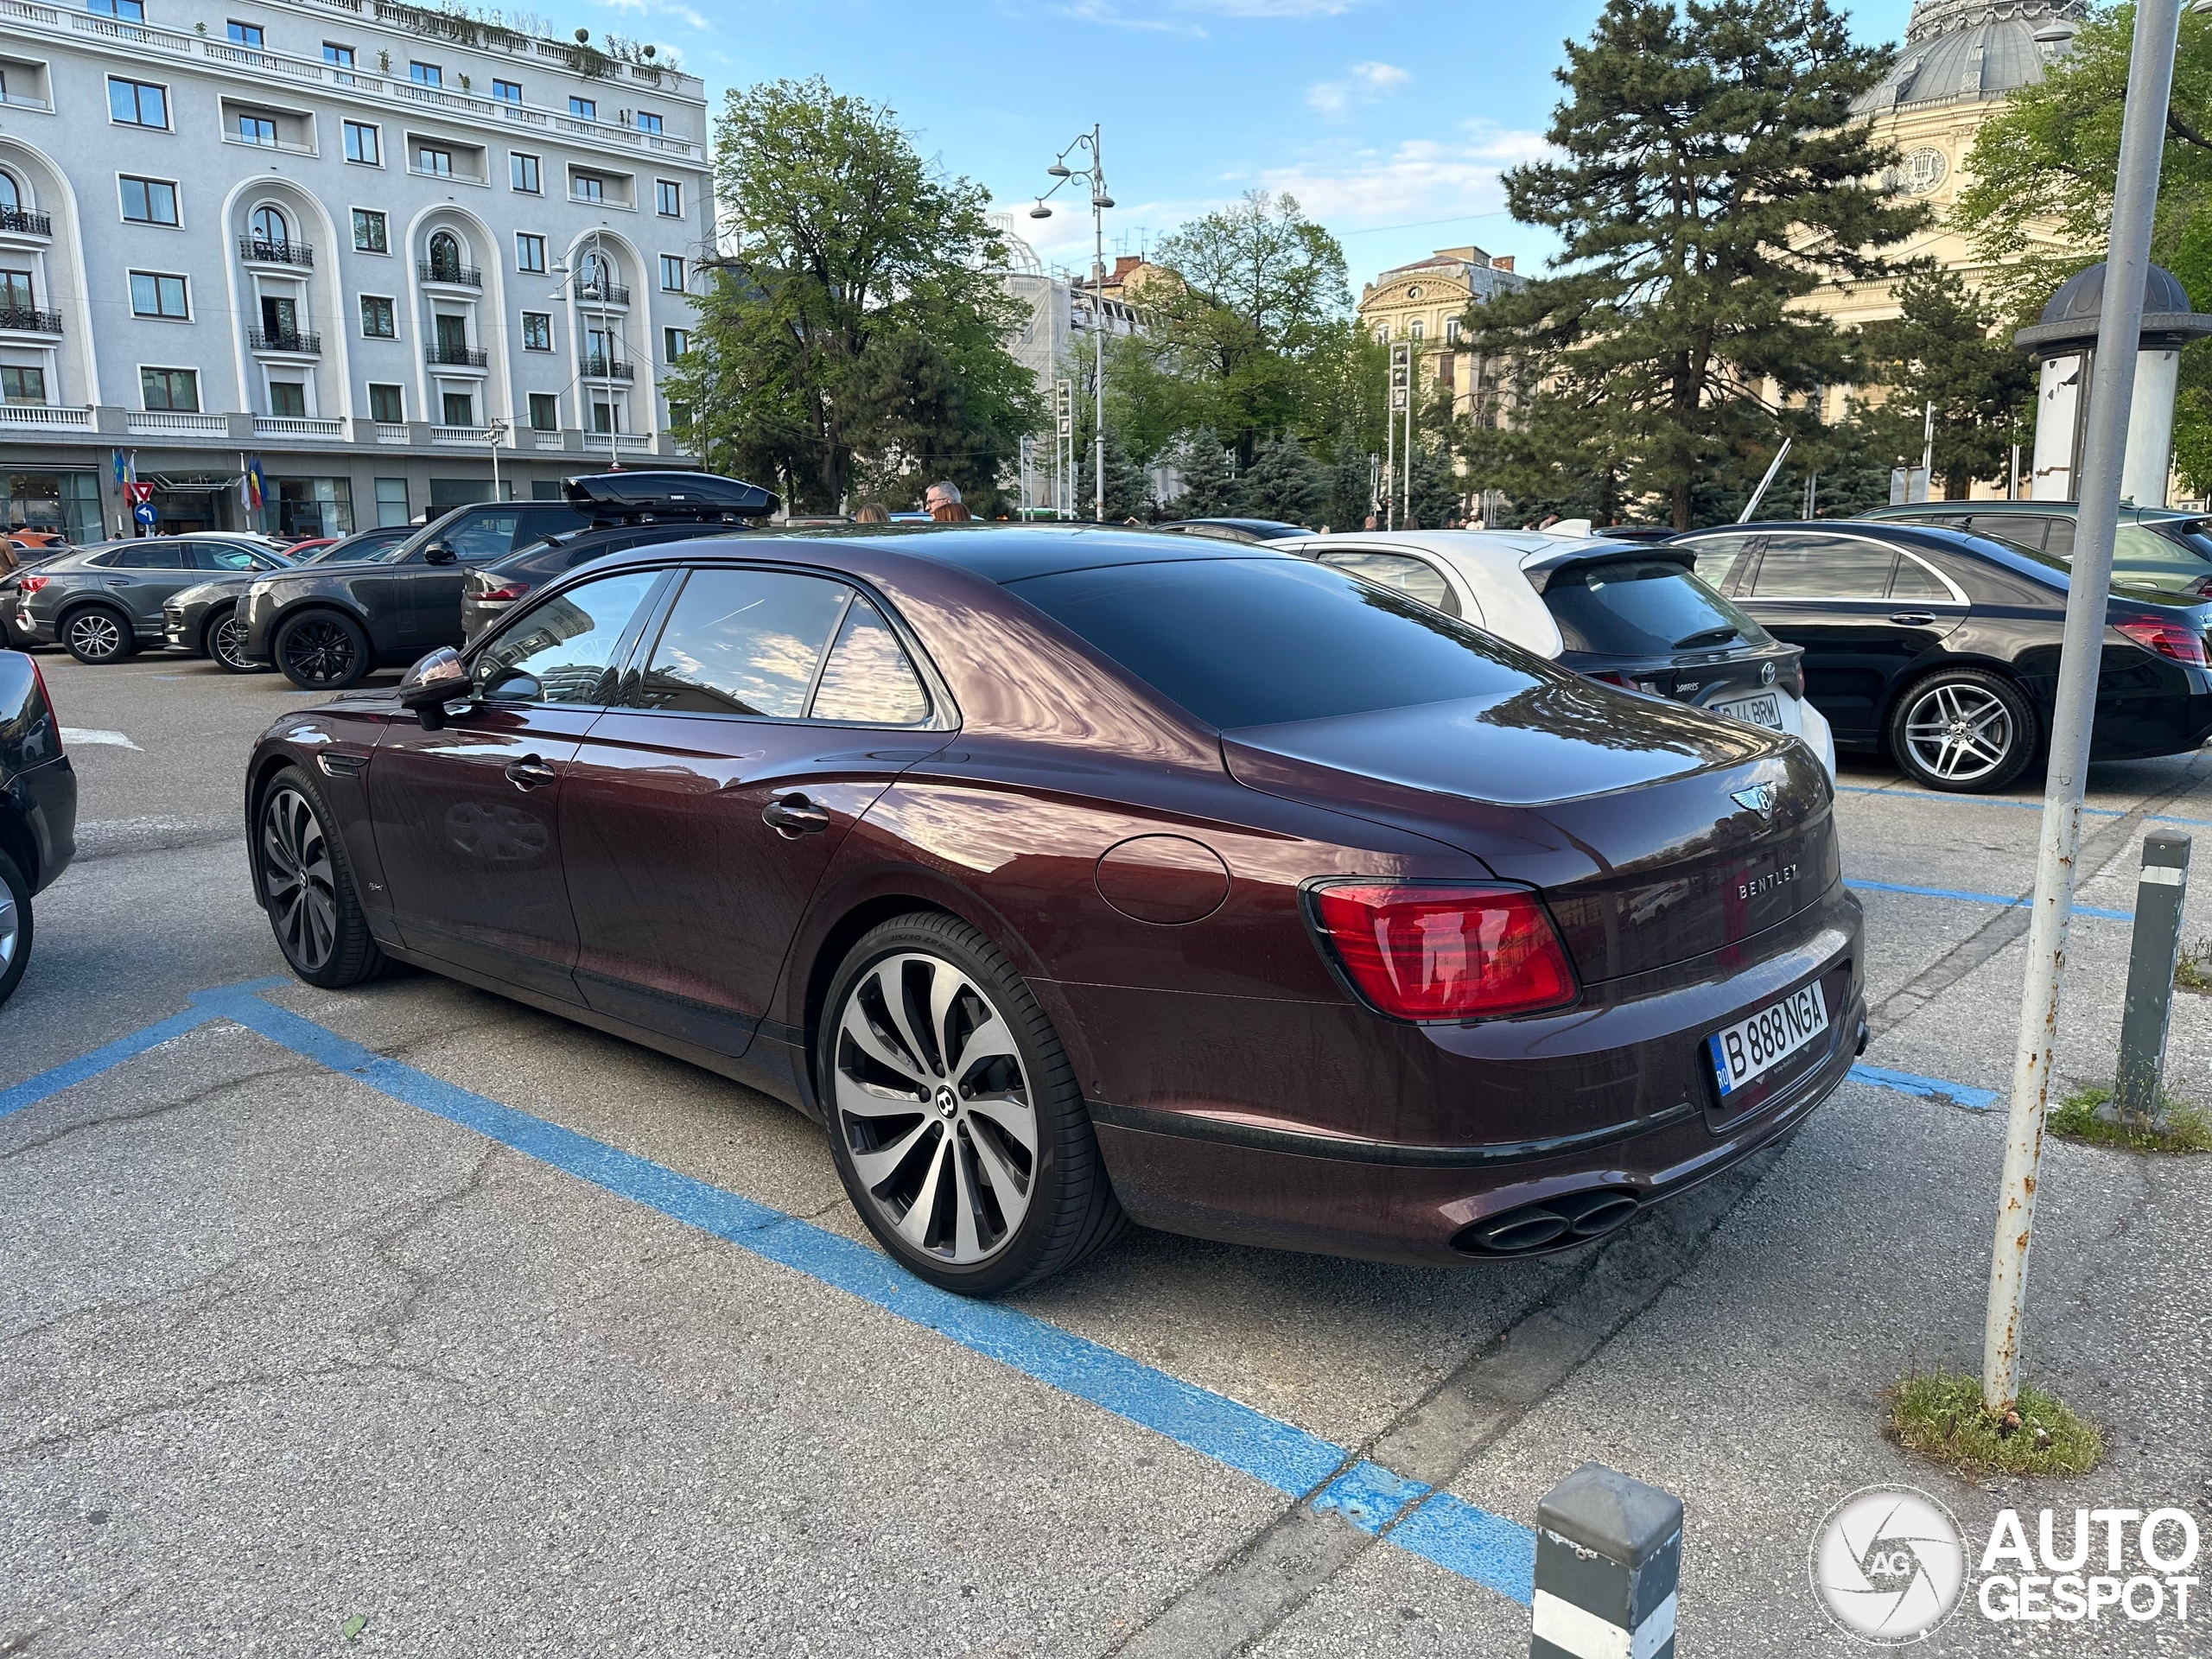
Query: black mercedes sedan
[1939, 648]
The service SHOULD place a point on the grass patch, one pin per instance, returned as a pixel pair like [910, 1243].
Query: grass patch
[1939, 1414]
[2188, 1128]
[2194, 971]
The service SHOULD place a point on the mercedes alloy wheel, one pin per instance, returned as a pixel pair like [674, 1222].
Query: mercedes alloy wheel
[1963, 729]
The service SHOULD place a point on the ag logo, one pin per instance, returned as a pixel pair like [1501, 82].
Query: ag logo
[1758, 798]
[1888, 1564]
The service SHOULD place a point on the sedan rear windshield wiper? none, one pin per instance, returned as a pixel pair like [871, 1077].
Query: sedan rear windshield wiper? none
[1719, 636]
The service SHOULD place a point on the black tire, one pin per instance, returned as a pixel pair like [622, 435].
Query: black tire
[223, 642]
[15, 927]
[322, 651]
[1963, 730]
[98, 634]
[1069, 1209]
[305, 883]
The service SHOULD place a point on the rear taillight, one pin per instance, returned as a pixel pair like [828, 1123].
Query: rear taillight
[31, 584]
[1435, 951]
[514, 590]
[46, 700]
[2168, 639]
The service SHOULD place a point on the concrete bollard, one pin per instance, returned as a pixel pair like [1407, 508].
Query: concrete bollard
[2152, 957]
[1609, 1554]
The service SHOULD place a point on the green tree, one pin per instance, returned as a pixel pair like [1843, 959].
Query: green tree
[1941, 350]
[1709, 177]
[1128, 491]
[1208, 487]
[857, 326]
[1282, 483]
[1437, 493]
[1351, 484]
[2039, 204]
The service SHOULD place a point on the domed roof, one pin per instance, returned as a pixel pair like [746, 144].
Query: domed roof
[2080, 298]
[2070, 321]
[1967, 49]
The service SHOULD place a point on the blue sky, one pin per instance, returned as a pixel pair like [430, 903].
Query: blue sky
[1381, 116]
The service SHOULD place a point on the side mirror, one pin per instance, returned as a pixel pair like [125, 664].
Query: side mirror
[438, 679]
[441, 553]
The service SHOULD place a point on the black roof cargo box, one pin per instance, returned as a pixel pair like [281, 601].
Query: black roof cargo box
[658, 497]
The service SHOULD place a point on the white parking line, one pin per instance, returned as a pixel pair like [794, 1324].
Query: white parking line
[81, 735]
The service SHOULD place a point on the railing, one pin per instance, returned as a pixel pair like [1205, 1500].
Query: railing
[299, 345]
[28, 320]
[392, 432]
[455, 357]
[263, 252]
[25, 101]
[44, 415]
[289, 146]
[461, 435]
[23, 222]
[604, 293]
[554, 440]
[297, 426]
[436, 271]
[607, 368]
[178, 423]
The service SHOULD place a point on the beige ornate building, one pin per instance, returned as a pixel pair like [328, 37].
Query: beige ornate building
[1424, 301]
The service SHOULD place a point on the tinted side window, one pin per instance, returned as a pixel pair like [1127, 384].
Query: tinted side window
[1403, 572]
[2021, 529]
[564, 650]
[479, 536]
[1915, 581]
[868, 678]
[157, 557]
[1718, 557]
[212, 556]
[2060, 544]
[743, 642]
[1823, 567]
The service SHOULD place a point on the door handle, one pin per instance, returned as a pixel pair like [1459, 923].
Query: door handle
[795, 816]
[531, 772]
[1912, 618]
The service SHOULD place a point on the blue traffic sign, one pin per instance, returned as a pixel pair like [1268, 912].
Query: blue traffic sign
[143, 512]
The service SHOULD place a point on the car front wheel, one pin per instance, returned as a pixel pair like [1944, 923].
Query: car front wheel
[1964, 730]
[98, 634]
[955, 1118]
[322, 651]
[14, 927]
[225, 642]
[307, 887]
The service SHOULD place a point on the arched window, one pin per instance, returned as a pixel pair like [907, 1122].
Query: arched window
[10, 196]
[270, 229]
[445, 256]
[595, 272]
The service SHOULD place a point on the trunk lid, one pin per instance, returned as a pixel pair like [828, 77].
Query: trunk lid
[1624, 810]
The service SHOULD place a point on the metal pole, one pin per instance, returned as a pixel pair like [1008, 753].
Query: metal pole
[2153, 953]
[1406, 475]
[494, 430]
[1098, 319]
[1759, 494]
[2118, 329]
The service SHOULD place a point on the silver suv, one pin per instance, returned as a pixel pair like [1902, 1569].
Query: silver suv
[104, 602]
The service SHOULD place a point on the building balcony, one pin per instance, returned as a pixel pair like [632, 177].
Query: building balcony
[26, 320]
[20, 221]
[478, 436]
[455, 357]
[46, 416]
[254, 250]
[290, 344]
[297, 426]
[608, 368]
[604, 293]
[176, 423]
[435, 271]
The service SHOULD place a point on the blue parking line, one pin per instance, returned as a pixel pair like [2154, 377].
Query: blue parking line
[2008, 900]
[2023, 806]
[85, 1067]
[1908, 1083]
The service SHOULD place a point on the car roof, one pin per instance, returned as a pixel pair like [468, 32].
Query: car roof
[1008, 553]
[1270, 528]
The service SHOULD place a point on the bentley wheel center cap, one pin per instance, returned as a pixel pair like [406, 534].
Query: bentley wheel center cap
[947, 1102]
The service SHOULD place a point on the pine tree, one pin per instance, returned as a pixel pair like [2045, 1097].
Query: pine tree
[1128, 491]
[1207, 486]
[1282, 483]
[1351, 484]
[1944, 350]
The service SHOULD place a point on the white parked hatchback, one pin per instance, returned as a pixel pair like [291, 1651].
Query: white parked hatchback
[1632, 613]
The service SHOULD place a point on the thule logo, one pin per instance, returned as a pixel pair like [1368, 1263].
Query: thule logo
[1758, 798]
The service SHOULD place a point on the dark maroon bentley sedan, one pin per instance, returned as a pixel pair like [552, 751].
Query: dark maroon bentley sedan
[1073, 876]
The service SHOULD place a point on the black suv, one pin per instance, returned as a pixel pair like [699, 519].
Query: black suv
[38, 807]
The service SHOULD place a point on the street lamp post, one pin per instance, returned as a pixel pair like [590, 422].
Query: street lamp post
[496, 432]
[595, 263]
[1094, 174]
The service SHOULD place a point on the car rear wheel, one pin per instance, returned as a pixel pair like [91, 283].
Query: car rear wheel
[14, 927]
[97, 633]
[955, 1118]
[307, 887]
[322, 651]
[1963, 729]
[225, 639]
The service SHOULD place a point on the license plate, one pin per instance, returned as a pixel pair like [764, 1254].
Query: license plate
[1764, 710]
[1748, 1050]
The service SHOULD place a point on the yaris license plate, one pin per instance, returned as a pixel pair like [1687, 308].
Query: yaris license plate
[1764, 710]
[1748, 1050]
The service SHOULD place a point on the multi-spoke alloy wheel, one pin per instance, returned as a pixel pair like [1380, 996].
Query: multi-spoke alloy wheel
[954, 1114]
[321, 651]
[14, 927]
[1965, 729]
[226, 644]
[95, 636]
[298, 883]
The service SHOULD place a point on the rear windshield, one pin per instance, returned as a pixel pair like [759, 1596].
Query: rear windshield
[1644, 607]
[1257, 642]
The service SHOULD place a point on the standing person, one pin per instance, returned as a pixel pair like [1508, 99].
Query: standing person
[944, 505]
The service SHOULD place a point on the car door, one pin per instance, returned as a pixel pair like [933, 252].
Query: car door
[1862, 622]
[467, 817]
[772, 708]
[430, 613]
[142, 578]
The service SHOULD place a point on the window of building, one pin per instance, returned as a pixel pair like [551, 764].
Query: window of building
[269, 231]
[391, 500]
[602, 419]
[387, 404]
[436, 162]
[584, 109]
[452, 336]
[153, 294]
[601, 352]
[1451, 330]
[522, 173]
[130, 11]
[379, 318]
[587, 187]
[672, 198]
[22, 386]
[371, 233]
[339, 57]
[426, 74]
[1414, 329]
[362, 144]
[680, 416]
[544, 412]
[258, 129]
[11, 194]
[671, 272]
[149, 202]
[507, 92]
[288, 397]
[137, 102]
[460, 408]
[674, 343]
[648, 122]
[529, 252]
[1382, 335]
[245, 34]
[16, 291]
[537, 331]
[173, 388]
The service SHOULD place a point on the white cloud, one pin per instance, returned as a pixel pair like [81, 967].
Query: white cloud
[1366, 83]
[1420, 178]
[689, 16]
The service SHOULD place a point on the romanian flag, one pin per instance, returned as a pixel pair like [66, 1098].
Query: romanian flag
[250, 484]
[126, 471]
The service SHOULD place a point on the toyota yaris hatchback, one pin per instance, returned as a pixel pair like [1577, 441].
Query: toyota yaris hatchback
[1072, 877]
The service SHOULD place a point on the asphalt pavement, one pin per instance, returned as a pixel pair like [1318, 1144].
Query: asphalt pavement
[412, 1307]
